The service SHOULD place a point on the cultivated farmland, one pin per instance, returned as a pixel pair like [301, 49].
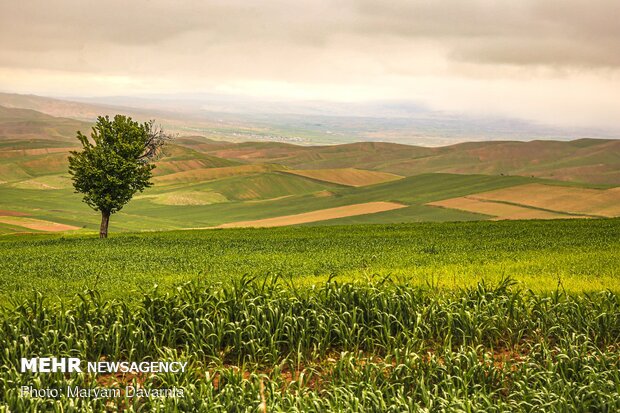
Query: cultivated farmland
[320, 215]
[580, 255]
[433, 307]
[383, 346]
[347, 176]
[201, 182]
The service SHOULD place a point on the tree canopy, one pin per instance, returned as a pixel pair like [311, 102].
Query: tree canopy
[115, 163]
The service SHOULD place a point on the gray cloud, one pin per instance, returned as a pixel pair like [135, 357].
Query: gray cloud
[377, 45]
[546, 32]
[525, 32]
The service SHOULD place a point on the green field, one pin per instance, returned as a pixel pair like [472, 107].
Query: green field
[421, 308]
[234, 199]
[516, 316]
[467, 316]
[577, 255]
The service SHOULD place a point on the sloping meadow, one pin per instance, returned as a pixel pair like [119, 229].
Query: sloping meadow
[263, 345]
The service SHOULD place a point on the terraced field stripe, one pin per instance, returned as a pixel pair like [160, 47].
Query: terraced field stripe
[320, 215]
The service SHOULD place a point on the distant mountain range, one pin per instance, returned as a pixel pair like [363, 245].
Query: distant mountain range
[236, 119]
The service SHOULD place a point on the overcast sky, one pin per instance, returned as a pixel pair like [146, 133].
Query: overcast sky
[556, 61]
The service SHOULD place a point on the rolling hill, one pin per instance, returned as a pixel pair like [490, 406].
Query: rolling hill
[594, 161]
[201, 182]
[24, 129]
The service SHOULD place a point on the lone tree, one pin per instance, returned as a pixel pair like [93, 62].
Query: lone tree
[115, 163]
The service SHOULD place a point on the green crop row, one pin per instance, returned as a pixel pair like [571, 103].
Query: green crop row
[259, 344]
[581, 255]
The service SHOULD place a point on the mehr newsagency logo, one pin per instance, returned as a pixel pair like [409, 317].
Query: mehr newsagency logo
[76, 365]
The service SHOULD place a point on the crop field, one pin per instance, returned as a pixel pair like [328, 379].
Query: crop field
[471, 316]
[580, 255]
[384, 278]
[464, 316]
[258, 346]
[347, 176]
[593, 202]
[499, 209]
[320, 215]
[234, 198]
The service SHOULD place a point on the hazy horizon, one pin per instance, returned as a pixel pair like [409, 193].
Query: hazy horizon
[550, 62]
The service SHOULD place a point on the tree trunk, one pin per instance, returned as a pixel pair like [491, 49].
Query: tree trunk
[105, 220]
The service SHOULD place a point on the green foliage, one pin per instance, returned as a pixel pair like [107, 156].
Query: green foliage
[393, 340]
[112, 165]
[583, 254]
[383, 346]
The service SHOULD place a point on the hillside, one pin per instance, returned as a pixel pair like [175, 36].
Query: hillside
[22, 129]
[594, 161]
[200, 182]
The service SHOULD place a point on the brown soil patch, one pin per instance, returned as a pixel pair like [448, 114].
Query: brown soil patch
[123, 379]
[320, 215]
[498, 210]
[347, 176]
[571, 200]
[7, 213]
[37, 224]
[15, 153]
[599, 173]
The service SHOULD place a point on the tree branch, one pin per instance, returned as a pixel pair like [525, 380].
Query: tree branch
[157, 138]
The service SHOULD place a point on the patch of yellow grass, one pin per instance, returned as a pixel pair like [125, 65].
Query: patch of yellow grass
[33, 184]
[16, 153]
[323, 194]
[347, 176]
[258, 201]
[186, 198]
[37, 224]
[320, 215]
[498, 210]
[571, 200]
[45, 182]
